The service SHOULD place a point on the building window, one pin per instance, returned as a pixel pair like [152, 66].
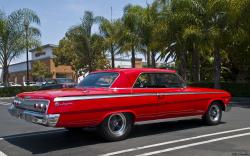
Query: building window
[38, 54]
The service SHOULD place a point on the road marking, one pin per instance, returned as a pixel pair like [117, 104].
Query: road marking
[2, 154]
[31, 134]
[5, 103]
[173, 141]
[193, 144]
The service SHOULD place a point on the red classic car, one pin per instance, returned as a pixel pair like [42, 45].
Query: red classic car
[113, 100]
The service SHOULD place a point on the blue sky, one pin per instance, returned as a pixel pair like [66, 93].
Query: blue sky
[57, 16]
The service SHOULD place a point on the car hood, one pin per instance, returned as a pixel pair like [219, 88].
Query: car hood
[67, 92]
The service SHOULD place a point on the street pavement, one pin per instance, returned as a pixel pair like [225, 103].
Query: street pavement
[187, 137]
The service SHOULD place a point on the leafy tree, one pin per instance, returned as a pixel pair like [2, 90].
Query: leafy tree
[40, 71]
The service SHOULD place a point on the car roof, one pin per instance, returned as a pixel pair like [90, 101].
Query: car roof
[128, 76]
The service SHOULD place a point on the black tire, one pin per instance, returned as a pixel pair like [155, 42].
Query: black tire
[213, 114]
[116, 127]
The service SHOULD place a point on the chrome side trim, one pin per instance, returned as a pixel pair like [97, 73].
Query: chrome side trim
[92, 97]
[189, 93]
[73, 98]
[168, 119]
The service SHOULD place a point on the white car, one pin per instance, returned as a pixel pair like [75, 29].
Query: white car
[12, 84]
[30, 84]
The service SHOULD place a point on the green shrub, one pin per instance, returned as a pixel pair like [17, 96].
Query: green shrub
[236, 89]
[12, 91]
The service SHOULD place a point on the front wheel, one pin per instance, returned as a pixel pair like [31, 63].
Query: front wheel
[116, 126]
[213, 114]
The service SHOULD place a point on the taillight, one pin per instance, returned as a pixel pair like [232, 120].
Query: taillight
[40, 107]
[16, 102]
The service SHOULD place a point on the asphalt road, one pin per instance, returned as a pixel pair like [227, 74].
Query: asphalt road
[187, 137]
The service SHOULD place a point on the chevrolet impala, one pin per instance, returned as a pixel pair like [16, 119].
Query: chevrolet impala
[113, 100]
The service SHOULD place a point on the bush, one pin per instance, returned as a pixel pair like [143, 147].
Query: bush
[236, 89]
[13, 91]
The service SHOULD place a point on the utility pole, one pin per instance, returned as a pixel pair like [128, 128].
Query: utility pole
[27, 56]
[111, 14]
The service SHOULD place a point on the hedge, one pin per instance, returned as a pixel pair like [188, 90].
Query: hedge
[12, 91]
[236, 89]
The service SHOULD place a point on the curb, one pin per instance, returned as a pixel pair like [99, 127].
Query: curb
[6, 98]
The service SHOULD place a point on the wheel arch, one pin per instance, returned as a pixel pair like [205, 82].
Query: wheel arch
[129, 112]
[219, 101]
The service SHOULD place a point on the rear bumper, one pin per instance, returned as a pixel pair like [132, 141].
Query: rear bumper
[35, 117]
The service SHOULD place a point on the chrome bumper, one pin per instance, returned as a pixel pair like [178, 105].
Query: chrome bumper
[35, 117]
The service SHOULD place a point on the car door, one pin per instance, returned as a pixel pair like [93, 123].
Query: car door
[145, 96]
[172, 100]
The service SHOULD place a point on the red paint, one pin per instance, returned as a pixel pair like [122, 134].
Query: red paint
[84, 113]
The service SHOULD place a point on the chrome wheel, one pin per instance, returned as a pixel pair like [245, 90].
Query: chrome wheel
[117, 124]
[214, 113]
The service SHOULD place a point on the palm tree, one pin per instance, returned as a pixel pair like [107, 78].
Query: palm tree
[11, 40]
[130, 38]
[216, 22]
[111, 30]
[83, 34]
[31, 33]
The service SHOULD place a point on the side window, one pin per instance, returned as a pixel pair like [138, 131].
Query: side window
[169, 80]
[146, 80]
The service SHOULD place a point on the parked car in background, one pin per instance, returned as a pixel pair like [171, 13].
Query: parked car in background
[30, 84]
[1, 85]
[113, 100]
[12, 84]
[58, 84]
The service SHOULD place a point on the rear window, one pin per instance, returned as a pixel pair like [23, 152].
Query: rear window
[98, 80]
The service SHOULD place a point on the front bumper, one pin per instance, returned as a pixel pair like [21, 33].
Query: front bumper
[35, 117]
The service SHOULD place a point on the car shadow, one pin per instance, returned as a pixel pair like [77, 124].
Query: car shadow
[54, 140]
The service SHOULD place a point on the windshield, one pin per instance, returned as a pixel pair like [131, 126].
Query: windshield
[98, 80]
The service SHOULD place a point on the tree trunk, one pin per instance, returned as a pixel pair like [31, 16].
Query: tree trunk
[148, 58]
[217, 68]
[183, 65]
[153, 59]
[133, 57]
[195, 65]
[5, 73]
[112, 56]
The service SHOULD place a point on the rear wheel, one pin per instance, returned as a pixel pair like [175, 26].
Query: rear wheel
[116, 126]
[213, 114]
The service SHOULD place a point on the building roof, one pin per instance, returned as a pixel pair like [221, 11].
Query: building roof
[44, 46]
